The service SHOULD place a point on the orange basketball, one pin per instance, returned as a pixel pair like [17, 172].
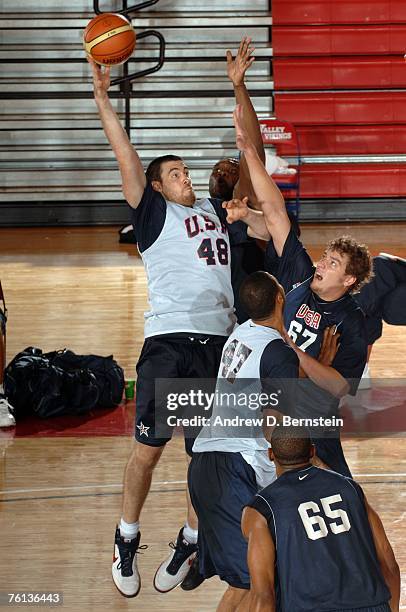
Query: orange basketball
[109, 39]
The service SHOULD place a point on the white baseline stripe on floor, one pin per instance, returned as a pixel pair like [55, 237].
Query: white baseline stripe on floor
[157, 483]
[379, 474]
[89, 486]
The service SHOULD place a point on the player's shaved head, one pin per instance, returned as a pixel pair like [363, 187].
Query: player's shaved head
[291, 445]
[258, 293]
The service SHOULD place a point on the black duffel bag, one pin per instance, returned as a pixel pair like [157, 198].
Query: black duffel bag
[61, 383]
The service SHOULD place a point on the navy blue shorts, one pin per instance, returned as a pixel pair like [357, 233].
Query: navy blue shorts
[220, 486]
[171, 356]
[384, 296]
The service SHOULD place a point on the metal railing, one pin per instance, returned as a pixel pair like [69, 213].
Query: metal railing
[125, 80]
[125, 10]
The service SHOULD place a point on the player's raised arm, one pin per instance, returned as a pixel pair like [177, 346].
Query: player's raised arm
[261, 561]
[386, 558]
[267, 193]
[238, 210]
[132, 172]
[236, 69]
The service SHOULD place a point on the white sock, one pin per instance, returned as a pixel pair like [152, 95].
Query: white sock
[190, 534]
[129, 531]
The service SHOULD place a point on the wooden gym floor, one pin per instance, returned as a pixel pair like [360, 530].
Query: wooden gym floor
[60, 496]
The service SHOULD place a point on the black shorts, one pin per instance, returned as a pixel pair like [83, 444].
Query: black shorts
[171, 356]
[220, 486]
[384, 296]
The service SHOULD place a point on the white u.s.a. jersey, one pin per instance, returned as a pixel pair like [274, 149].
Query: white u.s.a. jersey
[241, 359]
[188, 271]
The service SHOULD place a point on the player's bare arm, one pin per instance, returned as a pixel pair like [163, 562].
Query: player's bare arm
[324, 376]
[271, 200]
[261, 561]
[328, 350]
[386, 557]
[132, 172]
[236, 69]
[329, 345]
[238, 210]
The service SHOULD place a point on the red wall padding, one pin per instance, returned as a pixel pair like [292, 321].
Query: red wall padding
[354, 45]
[351, 140]
[341, 108]
[372, 72]
[338, 40]
[352, 180]
[290, 12]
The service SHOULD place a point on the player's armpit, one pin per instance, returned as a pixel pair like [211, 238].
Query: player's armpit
[133, 179]
[386, 557]
[261, 561]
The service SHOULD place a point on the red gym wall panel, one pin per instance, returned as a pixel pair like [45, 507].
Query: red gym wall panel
[352, 180]
[351, 140]
[341, 108]
[339, 73]
[338, 40]
[290, 12]
[340, 78]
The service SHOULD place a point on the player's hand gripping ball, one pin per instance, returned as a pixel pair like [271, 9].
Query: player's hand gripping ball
[109, 39]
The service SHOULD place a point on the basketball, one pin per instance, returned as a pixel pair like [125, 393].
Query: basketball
[109, 39]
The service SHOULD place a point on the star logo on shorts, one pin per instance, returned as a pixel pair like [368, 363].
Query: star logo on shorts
[143, 429]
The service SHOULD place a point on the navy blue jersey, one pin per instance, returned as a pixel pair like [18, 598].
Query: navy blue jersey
[278, 361]
[325, 553]
[306, 315]
[279, 369]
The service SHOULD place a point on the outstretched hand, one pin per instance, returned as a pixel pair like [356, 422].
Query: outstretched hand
[243, 141]
[236, 209]
[236, 68]
[101, 78]
[329, 346]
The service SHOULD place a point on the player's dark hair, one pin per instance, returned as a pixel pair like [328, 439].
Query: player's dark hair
[291, 445]
[359, 259]
[258, 295]
[153, 172]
